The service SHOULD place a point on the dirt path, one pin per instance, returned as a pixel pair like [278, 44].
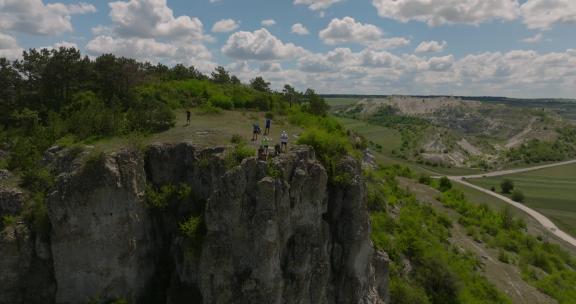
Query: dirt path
[515, 171]
[543, 220]
[506, 277]
[518, 138]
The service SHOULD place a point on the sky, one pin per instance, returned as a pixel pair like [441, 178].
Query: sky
[515, 48]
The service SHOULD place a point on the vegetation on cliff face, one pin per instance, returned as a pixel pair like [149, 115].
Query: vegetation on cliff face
[425, 268]
[544, 265]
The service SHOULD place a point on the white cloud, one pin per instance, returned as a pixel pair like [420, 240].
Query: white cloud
[148, 30]
[430, 47]
[148, 49]
[542, 14]
[438, 12]
[152, 19]
[259, 45]
[225, 25]
[514, 73]
[268, 22]
[390, 43]
[348, 30]
[441, 64]
[9, 47]
[66, 44]
[300, 29]
[316, 5]
[534, 39]
[35, 17]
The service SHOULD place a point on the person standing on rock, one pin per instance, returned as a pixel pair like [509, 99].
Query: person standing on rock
[265, 144]
[255, 131]
[284, 141]
[267, 129]
[188, 114]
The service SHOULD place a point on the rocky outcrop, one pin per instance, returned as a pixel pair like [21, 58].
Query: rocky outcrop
[25, 267]
[102, 237]
[11, 201]
[267, 232]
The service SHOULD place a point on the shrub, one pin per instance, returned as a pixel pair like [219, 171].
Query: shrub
[507, 186]
[445, 184]
[166, 194]
[518, 196]
[424, 179]
[503, 257]
[38, 180]
[235, 156]
[329, 147]
[191, 227]
[273, 170]
[237, 139]
[208, 109]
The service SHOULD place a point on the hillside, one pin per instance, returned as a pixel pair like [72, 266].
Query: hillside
[109, 195]
[454, 132]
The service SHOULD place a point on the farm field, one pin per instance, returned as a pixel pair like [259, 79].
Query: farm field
[551, 191]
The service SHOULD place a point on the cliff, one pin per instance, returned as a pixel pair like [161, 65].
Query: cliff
[177, 224]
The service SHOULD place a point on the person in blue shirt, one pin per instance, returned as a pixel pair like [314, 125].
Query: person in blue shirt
[255, 131]
[267, 129]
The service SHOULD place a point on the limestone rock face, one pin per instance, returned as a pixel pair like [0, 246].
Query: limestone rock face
[269, 232]
[26, 271]
[11, 201]
[102, 241]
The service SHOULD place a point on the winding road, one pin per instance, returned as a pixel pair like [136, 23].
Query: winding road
[543, 220]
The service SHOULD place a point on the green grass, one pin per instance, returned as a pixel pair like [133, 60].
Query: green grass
[209, 130]
[341, 102]
[551, 191]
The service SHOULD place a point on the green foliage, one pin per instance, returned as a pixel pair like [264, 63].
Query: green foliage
[445, 184]
[8, 220]
[507, 186]
[273, 170]
[535, 151]
[193, 229]
[38, 180]
[166, 194]
[236, 155]
[440, 273]
[35, 213]
[208, 109]
[259, 84]
[425, 179]
[541, 262]
[518, 196]
[237, 139]
[329, 147]
[404, 292]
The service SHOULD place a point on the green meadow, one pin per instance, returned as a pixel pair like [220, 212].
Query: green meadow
[551, 191]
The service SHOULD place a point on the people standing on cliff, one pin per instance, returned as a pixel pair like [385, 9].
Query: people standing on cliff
[267, 129]
[188, 114]
[284, 141]
[265, 144]
[255, 131]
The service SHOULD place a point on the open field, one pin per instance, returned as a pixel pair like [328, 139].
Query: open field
[341, 102]
[209, 130]
[551, 191]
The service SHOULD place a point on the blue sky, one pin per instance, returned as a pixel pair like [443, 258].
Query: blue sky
[518, 48]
